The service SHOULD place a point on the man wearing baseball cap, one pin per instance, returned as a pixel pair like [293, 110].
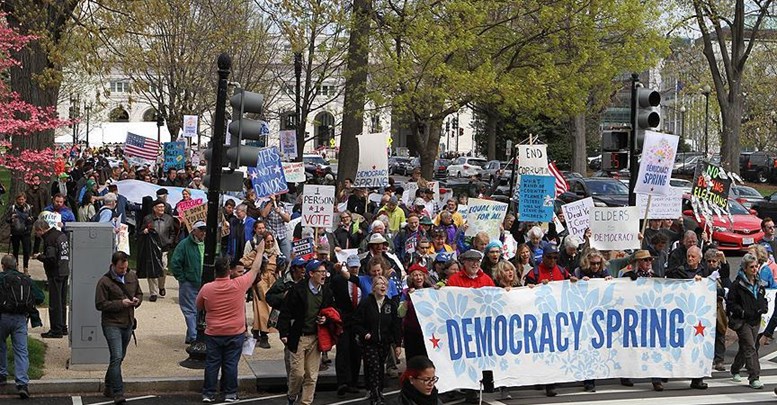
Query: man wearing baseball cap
[186, 266]
[277, 294]
[471, 276]
[347, 295]
[395, 214]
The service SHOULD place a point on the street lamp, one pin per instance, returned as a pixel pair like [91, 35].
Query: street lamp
[87, 108]
[706, 91]
[297, 104]
[74, 113]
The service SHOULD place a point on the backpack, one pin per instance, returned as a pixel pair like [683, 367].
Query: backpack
[16, 294]
[96, 217]
[19, 223]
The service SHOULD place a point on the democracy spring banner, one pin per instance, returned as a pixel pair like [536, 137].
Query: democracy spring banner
[564, 331]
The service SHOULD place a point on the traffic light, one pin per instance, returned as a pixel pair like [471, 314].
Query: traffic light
[648, 115]
[615, 149]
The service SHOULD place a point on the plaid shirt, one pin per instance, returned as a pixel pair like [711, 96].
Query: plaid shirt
[275, 223]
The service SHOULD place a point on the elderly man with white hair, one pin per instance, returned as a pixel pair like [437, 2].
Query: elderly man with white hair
[107, 211]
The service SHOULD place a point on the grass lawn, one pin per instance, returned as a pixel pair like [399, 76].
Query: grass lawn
[37, 354]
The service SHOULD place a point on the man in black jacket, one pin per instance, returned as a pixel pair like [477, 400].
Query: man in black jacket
[347, 295]
[298, 328]
[56, 259]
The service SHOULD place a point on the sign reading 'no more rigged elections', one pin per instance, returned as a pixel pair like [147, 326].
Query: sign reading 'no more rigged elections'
[563, 331]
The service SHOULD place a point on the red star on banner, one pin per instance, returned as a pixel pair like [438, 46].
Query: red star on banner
[435, 342]
[373, 167]
[699, 329]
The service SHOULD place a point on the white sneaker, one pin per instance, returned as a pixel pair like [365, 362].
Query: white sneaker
[756, 384]
[736, 378]
[505, 393]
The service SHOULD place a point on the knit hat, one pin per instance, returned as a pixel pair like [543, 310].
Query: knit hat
[417, 267]
[494, 244]
[90, 184]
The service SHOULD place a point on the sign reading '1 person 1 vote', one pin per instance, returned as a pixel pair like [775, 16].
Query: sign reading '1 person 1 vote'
[318, 204]
[564, 331]
[267, 177]
[615, 228]
[537, 198]
[533, 159]
[486, 216]
[373, 161]
[655, 170]
[578, 216]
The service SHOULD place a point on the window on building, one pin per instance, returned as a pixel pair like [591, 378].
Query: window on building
[327, 90]
[119, 114]
[287, 120]
[120, 86]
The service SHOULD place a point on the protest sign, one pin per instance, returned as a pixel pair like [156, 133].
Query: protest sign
[373, 161]
[54, 219]
[288, 144]
[184, 205]
[770, 295]
[408, 196]
[194, 214]
[657, 163]
[318, 206]
[294, 172]
[190, 125]
[122, 239]
[577, 216]
[485, 215]
[711, 185]
[662, 206]
[267, 177]
[343, 254]
[533, 159]
[536, 198]
[615, 228]
[174, 155]
[564, 332]
[302, 247]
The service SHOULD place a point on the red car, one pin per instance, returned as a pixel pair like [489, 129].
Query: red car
[746, 229]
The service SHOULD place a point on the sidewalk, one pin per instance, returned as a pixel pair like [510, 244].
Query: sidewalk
[160, 347]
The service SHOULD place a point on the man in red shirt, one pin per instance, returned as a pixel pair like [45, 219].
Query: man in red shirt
[223, 301]
[548, 269]
[471, 275]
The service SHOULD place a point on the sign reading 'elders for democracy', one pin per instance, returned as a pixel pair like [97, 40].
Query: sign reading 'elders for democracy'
[373, 161]
[318, 204]
[655, 170]
[563, 331]
[536, 198]
[533, 159]
[615, 228]
[486, 216]
[577, 216]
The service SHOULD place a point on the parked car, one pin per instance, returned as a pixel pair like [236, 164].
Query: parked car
[317, 170]
[605, 191]
[682, 184]
[758, 166]
[747, 196]
[746, 229]
[466, 166]
[595, 162]
[493, 170]
[767, 207]
[622, 175]
[394, 163]
[441, 168]
[687, 167]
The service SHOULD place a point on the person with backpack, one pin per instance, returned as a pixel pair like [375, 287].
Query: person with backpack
[18, 297]
[19, 215]
[107, 212]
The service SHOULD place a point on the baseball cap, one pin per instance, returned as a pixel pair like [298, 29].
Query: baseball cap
[353, 261]
[199, 224]
[312, 265]
[298, 262]
[442, 257]
[549, 249]
[419, 201]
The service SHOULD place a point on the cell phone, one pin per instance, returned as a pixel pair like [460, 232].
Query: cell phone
[488, 381]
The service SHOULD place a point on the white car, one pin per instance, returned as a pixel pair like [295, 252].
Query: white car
[682, 184]
[466, 167]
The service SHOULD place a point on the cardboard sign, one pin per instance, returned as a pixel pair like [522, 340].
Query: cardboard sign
[190, 125]
[372, 171]
[175, 155]
[408, 196]
[318, 204]
[302, 247]
[662, 206]
[267, 177]
[486, 216]
[536, 198]
[288, 144]
[533, 159]
[122, 239]
[194, 214]
[711, 185]
[615, 228]
[184, 205]
[294, 172]
[655, 170]
[577, 216]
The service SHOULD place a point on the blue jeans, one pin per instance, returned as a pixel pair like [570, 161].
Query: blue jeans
[285, 246]
[118, 339]
[223, 352]
[187, 295]
[15, 325]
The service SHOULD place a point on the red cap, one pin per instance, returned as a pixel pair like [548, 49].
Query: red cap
[417, 267]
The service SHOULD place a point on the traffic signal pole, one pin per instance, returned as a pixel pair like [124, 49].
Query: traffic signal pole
[633, 158]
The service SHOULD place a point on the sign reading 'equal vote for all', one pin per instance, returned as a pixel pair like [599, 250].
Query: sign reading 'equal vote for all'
[563, 331]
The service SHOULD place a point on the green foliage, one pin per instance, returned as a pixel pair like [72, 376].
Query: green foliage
[37, 356]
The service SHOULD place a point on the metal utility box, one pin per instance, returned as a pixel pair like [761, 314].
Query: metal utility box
[91, 248]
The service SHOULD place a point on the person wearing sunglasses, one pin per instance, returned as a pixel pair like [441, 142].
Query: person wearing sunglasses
[715, 260]
[417, 383]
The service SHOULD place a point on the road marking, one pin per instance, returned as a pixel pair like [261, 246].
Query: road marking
[242, 401]
[77, 401]
[362, 399]
[736, 397]
[128, 399]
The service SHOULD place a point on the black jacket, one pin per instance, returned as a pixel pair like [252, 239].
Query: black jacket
[293, 313]
[56, 253]
[383, 326]
[341, 290]
[742, 304]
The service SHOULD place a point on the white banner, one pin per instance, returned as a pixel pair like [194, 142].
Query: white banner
[657, 163]
[662, 206]
[190, 125]
[533, 159]
[318, 203]
[485, 215]
[288, 144]
[564, 331]
[615, 228]
[577, 216]
[373, 161]
[294, 172]
[342, 255]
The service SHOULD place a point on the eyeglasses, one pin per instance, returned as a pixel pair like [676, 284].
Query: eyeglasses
[712, 261]
[427, 381]
[595, 263]
[769, 227]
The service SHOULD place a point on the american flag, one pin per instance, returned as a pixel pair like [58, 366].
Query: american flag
[561, 182]
[140, 146]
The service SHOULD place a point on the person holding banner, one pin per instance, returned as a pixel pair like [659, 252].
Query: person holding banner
[547, 269]
[413, 338]
[592, 265]
[746, 303]
[715, 260]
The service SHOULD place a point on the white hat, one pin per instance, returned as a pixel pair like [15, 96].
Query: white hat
[199, 224]
[419, 201]
[376, 238]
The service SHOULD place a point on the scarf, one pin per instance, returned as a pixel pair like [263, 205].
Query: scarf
[417, 397]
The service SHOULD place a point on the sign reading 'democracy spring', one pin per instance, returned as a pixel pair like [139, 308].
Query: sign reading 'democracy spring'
[373, 161]
[655, 170]
[563, 331]
[486, 216]
[577, 216]
[614, 228]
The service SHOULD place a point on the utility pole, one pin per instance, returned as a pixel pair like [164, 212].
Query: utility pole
[299, 128]
[633, 160]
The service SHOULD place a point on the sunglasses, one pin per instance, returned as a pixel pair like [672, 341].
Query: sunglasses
[595, 263]
[647, 259]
